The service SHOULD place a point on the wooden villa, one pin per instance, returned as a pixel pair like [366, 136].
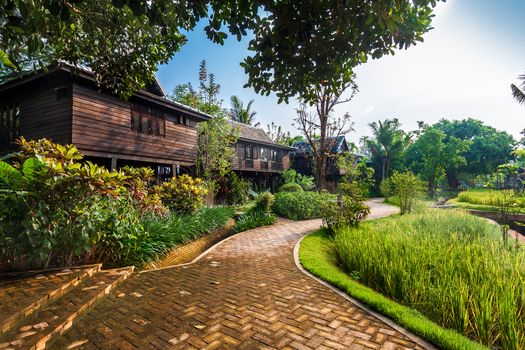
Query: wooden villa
[65, 105]
[302, 159]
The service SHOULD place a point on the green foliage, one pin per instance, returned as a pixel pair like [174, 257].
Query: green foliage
[386, 147]
[290, 176]
[54, 209]
[519, 91]
[316, 254]
[278, 135]
[448, 265]
[264, 202]
[241, 114]
[216, 141]
[406, 187]
[347, 211]
[165, 233]
[290, 187]
[430, 155]
[238, 189]
[182, 193]
[289, 43]
[357, 175]
[482, 148]
[300, 205]
[95, 33]
[206, 100]
[253, 219]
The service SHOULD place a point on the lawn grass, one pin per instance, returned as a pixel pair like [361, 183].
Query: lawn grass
[316, 254]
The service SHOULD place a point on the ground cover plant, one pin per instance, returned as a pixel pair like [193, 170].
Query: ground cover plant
[449, 265]
[316, 254]
[300, 205]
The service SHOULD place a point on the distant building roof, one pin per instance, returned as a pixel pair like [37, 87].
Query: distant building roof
[339, 145]
[254, 134]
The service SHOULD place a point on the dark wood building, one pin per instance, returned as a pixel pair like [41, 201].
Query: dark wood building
[65, 105]
[258, 158]
[302, 159]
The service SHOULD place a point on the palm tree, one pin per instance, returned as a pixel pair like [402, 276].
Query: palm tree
[519, 92]
[241, 114]
[386, 145]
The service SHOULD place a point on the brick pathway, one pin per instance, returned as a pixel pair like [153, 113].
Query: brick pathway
[247, 293]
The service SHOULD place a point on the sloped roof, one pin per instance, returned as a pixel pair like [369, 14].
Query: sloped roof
[340, 145]
[254, 134]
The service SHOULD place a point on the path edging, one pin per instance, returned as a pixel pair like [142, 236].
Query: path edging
[418, 340]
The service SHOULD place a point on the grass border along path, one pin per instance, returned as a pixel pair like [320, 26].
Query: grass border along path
[314, 256]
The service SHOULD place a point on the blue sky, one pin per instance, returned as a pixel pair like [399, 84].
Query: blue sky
[463, 69]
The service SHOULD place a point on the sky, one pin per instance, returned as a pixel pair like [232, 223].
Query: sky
[463, 69]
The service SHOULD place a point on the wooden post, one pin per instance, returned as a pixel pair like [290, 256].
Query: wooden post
[113, 163]
[340, 204]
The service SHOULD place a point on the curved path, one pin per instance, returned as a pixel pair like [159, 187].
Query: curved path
[246, 293]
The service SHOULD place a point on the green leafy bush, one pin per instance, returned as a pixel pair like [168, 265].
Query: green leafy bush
[350, 212]
[291, 187]
[264, 202]
[300, 205]
[448, 265]
[291, 176]
[54, 209]
[406, 187]
[237, 189]
[183, 193]
[253, 219]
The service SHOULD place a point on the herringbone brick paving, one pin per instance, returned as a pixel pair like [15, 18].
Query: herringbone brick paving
[247, 293]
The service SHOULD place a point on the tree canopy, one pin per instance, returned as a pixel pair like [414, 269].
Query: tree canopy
[298, 46]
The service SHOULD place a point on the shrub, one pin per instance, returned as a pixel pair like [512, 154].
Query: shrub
[448, 265]
[291, 176]
[238, 189]
[350, 212]
[54, 209]
[264, 202]
[182, 193]
[290, 187]
[253, 219]
[300, 205]
[491, 197]
[405, 186]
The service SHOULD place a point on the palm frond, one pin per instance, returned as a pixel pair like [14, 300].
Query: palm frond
[518, 94]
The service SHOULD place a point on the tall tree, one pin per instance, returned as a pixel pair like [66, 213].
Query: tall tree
[386, 146]
[241, 114]
[206, 100]
[519, 91]
[487, 147]
[325, 124]
[296, 45]
[216, 139]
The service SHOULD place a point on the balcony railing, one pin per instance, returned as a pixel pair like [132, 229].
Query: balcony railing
[277, 166]
[248, 163]
[264, 165]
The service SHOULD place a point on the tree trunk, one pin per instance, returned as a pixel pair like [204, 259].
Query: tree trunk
[321, 157]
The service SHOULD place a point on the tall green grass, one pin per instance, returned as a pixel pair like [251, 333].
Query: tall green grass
[489, 198]
[164, 234]
[448, 265]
